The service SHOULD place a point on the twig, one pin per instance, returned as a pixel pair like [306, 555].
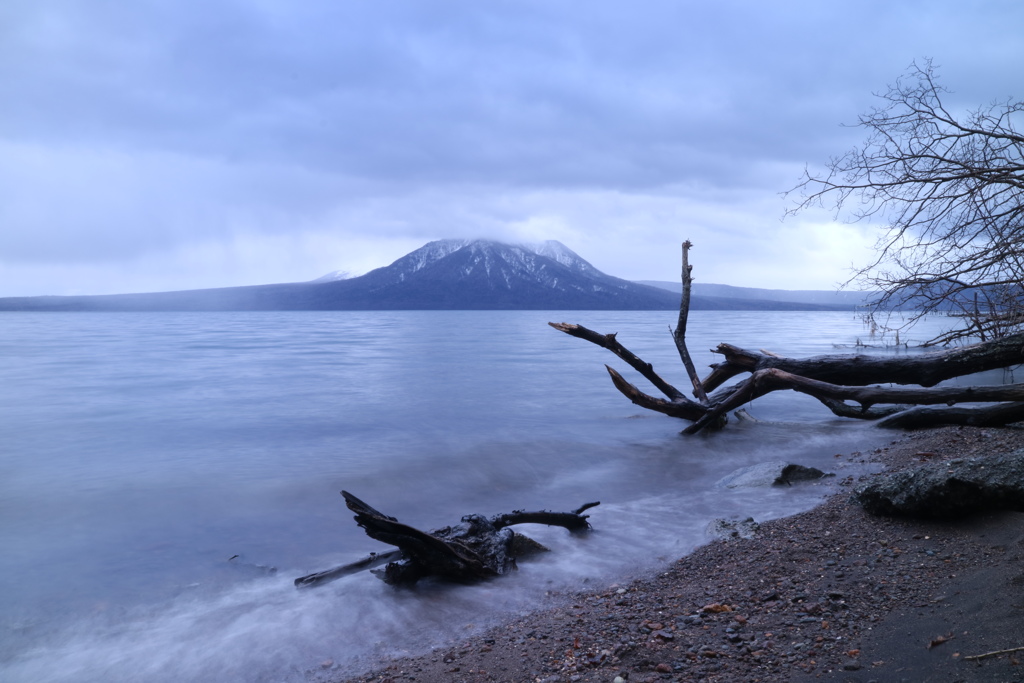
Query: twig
[994, 653]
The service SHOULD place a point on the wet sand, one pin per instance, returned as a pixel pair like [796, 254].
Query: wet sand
[832, 594]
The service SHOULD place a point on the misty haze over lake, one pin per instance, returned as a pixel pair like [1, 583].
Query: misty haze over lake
[140, 452]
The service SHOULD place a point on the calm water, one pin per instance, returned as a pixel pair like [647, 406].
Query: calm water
[138, 452]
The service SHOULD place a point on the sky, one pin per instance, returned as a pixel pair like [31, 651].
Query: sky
[160, 145]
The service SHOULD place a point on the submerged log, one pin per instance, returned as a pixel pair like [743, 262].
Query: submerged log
[477, 548]
[369, 562]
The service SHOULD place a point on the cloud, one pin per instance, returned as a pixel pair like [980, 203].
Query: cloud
[139, 132]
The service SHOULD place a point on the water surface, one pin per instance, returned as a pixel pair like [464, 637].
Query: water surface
[138, 452]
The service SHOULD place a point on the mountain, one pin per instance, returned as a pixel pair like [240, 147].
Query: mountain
[446, 274]
[333, 276]
[825, 297]
[481, 274]
[442, 275]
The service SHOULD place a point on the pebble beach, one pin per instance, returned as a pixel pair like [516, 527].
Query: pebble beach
[831, 594]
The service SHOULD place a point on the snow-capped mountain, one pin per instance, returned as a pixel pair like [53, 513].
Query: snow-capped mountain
[557, 251]
[333, 276]
[437, 250]
[486, 252]
[442, 275]
[479, 274]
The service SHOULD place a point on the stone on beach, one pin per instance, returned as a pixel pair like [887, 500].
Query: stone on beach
[947, 490]
[775, 473]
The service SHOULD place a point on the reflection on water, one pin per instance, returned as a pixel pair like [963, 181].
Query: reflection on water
[138, 452]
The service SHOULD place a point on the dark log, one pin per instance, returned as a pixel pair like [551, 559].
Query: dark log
[478, 548]
[573, 521]
[843, 409]
[446, 553]
[925, 369]
[922, 417]
[765, 381]
[869, 396]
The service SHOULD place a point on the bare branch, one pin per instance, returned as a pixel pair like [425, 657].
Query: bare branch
[684, 408]
[680, 332]
[950, 191]
[608, 341]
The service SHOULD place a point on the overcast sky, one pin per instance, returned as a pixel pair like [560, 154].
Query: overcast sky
[151, 145]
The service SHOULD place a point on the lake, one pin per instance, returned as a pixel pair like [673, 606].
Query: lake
[139, 452]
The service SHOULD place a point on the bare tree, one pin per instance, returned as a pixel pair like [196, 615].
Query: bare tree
[949, 189]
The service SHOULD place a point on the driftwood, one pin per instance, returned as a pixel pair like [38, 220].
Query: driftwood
[369, 562]
[835, 380]
[994, 653]
[921, 417]
[766, 381]
[925, 369]
[477, 548]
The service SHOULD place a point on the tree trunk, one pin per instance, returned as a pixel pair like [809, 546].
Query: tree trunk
[766, 381]
[925, 369]
[921, 417]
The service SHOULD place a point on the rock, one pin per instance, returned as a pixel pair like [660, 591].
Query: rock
[948, 490]
[524, 546]
[775, 473]
[715, 608]
[727, 529]
[793, 473]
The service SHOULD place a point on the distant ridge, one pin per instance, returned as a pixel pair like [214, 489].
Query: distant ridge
[800, 296]
[441, 275]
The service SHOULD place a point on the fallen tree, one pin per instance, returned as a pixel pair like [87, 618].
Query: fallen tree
[840, 382]
[477, 548]
[948, 190]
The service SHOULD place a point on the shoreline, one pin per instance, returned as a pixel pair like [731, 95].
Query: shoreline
[829, 594]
